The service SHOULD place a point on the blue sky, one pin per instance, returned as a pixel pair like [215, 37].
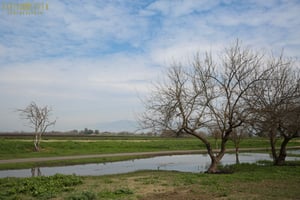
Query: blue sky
[92, 61]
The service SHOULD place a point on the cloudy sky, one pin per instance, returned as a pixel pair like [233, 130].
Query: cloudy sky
[92, 61]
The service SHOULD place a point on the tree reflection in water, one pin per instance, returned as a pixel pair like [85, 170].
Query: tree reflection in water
[35, 171]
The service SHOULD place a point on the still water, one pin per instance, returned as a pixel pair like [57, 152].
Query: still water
[184, 163]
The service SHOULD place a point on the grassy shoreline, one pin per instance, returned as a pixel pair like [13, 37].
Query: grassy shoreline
[248, 181]
[65, 161]
[12, 148]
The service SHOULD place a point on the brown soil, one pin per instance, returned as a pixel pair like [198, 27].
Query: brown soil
[180, 194]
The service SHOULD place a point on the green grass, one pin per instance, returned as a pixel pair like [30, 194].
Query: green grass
[11, 148]
[18, 148]
[248, 181]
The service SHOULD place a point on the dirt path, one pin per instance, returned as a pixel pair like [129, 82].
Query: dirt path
[159, 153]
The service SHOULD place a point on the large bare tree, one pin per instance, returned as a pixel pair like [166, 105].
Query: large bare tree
[208, 94]
[39, 119]
[229, 80]
[275, 105]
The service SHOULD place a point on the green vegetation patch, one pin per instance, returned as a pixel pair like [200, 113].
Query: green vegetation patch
[43, 187]
[84, 195]
[116, 194]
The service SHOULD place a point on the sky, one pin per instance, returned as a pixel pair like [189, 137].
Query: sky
[93, 61]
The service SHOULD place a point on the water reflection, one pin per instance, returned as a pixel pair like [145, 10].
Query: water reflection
[184, 163]
[36, 171]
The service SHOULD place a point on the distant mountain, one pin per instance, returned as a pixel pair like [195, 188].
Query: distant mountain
[117, 126]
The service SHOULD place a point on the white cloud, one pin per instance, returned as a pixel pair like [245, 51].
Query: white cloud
[178, 8]
[102, 20]
[90, 60]
[123, 72]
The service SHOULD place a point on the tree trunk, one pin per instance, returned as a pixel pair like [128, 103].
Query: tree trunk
[280, 159]
[273, 147]
[237, 160]
[37, 141]
[213, 168]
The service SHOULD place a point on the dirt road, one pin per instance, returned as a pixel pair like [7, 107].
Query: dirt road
[159, 153]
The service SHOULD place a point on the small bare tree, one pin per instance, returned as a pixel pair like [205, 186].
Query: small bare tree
[38, 119]
[207, 95]
[236, 137]
[275, 105]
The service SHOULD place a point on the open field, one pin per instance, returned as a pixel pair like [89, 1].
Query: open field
[23, 148]
[20, 148]
[248, 181]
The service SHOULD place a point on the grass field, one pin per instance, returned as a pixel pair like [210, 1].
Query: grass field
[23, 148]
[248, 181]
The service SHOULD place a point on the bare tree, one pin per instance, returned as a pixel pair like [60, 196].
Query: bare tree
[229, 80]
[275, 104]
[38, 119]
[208, 94]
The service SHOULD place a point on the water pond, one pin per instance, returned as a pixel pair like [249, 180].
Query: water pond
[184, 163]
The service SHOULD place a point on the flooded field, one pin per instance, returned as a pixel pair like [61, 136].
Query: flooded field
[185, 163]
